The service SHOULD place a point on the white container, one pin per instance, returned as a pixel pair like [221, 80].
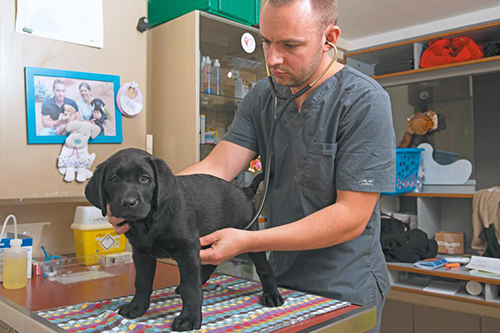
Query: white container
[217, 76]
[207, 76]
[202, 65]
[15, 260]
[90, 218]
[202, 128]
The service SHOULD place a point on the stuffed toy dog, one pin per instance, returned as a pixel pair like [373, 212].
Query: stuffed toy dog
[68, 115]
[419, 123]
[75, 155]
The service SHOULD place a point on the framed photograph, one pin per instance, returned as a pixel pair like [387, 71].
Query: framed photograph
[56, 97]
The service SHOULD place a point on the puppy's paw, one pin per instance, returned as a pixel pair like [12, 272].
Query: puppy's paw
[186, 323]
[133, 310]
[272, 300]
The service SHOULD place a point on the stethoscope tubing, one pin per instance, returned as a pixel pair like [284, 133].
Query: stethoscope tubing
[276, 118]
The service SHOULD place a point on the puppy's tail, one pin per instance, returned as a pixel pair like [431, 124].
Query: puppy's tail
[252, 189]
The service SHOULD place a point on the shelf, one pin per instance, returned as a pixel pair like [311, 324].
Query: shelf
[366, 59]
[458, 274]
[220, 97]
[428, 69]
[440, 195]
[460, 296]
[409, 278]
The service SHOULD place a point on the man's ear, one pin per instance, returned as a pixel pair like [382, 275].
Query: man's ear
[95, 192]
[332, 34]
[165, 181]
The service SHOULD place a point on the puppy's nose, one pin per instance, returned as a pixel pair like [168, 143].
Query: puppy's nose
[129, 202]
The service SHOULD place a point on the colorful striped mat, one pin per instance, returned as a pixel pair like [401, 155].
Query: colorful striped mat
[230, 304]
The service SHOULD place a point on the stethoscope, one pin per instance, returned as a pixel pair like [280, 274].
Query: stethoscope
[276, 118]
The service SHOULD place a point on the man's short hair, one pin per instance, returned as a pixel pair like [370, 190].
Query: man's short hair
[327, 10]
[58, 81]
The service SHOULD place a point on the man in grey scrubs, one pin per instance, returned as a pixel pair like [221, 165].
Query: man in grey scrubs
[334, 152]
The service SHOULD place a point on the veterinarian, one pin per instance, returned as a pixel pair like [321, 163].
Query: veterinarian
[334, 154]
[54, 106]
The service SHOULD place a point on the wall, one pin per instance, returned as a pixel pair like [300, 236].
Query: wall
[30, 185]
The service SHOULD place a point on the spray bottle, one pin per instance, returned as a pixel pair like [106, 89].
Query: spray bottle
[202, 67]
[217, 76]
[208, 73]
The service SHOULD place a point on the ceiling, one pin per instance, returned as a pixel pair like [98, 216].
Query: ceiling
[362, 18]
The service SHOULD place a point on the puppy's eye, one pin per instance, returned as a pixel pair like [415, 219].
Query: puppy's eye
[114, 178]
[144, 179]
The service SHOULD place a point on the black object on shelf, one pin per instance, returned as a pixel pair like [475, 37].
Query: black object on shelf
[491, 49]
[394, 66]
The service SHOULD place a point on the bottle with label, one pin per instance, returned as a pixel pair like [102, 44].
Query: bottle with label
[15, 265]
[207, 79]
[217, 76]
[202, 66]
[202, 128]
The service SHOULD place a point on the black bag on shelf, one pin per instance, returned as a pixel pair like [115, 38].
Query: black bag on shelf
[403, 245]
[493, 249]
[491, 49]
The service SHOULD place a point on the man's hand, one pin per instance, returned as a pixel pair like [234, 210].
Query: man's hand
[115, 221]
[224, 244]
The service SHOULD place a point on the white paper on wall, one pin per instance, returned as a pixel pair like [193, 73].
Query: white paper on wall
[75, 21]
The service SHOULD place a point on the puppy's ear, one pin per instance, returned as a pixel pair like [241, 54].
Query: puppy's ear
[94, 191]
[165, 180]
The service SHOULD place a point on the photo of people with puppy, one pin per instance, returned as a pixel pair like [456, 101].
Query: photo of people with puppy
[59, 100]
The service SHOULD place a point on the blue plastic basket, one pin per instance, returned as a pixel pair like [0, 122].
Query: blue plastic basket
[407, 164]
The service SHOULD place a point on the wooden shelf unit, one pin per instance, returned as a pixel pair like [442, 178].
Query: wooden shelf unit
[440, 195]
[365, 60]
[399, 271]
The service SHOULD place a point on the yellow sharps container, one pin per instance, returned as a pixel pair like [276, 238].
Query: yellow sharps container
[94, 235]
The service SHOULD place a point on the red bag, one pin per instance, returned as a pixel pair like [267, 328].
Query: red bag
[447, 51]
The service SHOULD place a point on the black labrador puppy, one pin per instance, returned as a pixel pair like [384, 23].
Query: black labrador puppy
[98, 105]
[167, 215]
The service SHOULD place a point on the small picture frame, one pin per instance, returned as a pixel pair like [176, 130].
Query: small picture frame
[55, 97]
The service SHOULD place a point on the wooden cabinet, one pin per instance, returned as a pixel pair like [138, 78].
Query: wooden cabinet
[176, 97]
[489, 325]
[428, 319]
[424, 317]
[397, 317]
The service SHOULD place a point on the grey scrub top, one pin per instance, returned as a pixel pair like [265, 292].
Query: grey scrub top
[342, 139]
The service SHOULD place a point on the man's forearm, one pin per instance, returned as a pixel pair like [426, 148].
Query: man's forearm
[49, 122]
[335, 224]
[225, 161]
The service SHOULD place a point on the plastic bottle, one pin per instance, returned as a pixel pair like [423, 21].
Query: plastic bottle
[202, 128]
[217, 76]
[202, 66]
[208, 73]
[420, 177]
[15, 265]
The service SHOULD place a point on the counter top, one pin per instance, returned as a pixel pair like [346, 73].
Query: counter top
[17, 307]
